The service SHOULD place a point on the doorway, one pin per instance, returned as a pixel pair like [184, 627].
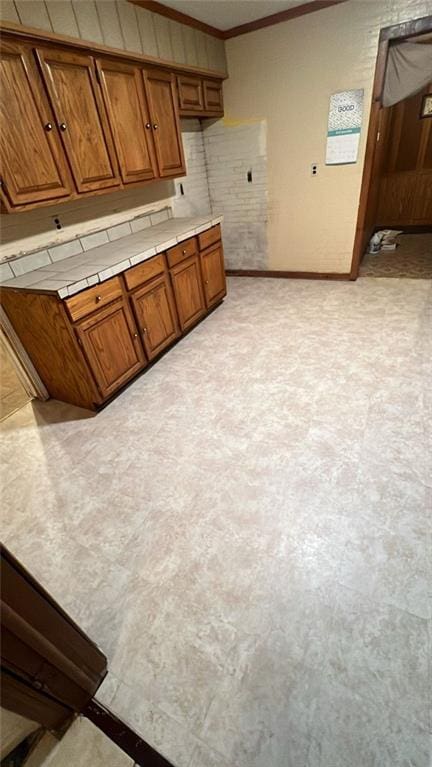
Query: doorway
[396, 192]
[13, 394]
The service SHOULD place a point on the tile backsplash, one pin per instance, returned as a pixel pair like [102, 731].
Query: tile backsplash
[15, 267]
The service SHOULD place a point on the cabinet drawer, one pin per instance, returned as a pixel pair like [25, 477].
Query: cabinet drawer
[182, 251]
[145, 271]
[93, 298]
[209, 237]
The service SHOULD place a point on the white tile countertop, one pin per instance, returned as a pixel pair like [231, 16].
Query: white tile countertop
[70, 275]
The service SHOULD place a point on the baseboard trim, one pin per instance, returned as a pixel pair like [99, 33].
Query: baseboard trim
[287, 275]
[123, 736]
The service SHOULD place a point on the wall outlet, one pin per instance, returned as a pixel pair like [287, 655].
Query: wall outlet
[314, 169]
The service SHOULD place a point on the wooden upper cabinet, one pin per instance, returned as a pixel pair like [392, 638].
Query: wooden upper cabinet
[128, 113]
[213, 272]
[76, 100]
[188, 291]
[156, 315]
[32, 164]
[162, 96]
[190, 93]
[213, 96]
[112, 346]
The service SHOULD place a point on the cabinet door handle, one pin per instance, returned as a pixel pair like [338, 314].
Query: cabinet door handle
[206, 282]
[48, 127]
[98, 298]
[155, 126]
[135, 335]
[63, 126]
[148, 126]
[144, 330]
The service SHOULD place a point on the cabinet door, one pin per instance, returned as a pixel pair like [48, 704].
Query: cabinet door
[190, 94]
[75, 97]
[112, 346]
[189, 296]
[156, 315]
[162, 97]
[213, 96]
[213, 271]
[126, 104]
[33, 166]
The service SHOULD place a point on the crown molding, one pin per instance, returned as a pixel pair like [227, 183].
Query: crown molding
[242, 29]
[182, 18]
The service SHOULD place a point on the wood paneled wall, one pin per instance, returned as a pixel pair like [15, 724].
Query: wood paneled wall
[120, 24]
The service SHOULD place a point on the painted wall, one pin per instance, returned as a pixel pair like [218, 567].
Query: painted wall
[120, 24]
[232, 152]
[285, 75]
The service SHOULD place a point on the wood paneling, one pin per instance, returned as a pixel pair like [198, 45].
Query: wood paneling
[156, 315]
[43, 328]
[144, 272]
[75, 98]
[128, 113]
[112, 346]
[180, 252]
[190, 92]
[162, 96]
[188, 291]
[213, 272]
[32, 164]
[94, 298]
[91, 39]
[406, 182]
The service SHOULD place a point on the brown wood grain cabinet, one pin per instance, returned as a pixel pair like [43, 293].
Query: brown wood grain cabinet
[33, 167]
[156, 315]
[213, 272]
[190, 91]
[112, 346]
[188, 290]
[86, 347]
[213, 96]
[126, 103]
[78, 122]
[81, 119]
[165, 123]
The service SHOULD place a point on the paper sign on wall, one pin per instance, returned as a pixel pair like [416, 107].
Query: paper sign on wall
[344, 125]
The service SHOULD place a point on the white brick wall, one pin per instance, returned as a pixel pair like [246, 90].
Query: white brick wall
[195, 199]
[231, 151]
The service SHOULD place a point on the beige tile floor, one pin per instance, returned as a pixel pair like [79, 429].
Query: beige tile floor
[246, 530]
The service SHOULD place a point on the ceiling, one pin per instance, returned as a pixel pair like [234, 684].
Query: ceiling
[225, 14]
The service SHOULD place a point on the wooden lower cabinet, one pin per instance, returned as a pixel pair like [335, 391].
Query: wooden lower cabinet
[213, 272]
[156, 315]
[112, 346]
[87, 346]
[189, 295]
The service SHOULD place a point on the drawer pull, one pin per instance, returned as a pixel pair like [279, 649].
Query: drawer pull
[135, 335]
[98, 298]
[144, 330]
[184, 251]
[206, 282]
